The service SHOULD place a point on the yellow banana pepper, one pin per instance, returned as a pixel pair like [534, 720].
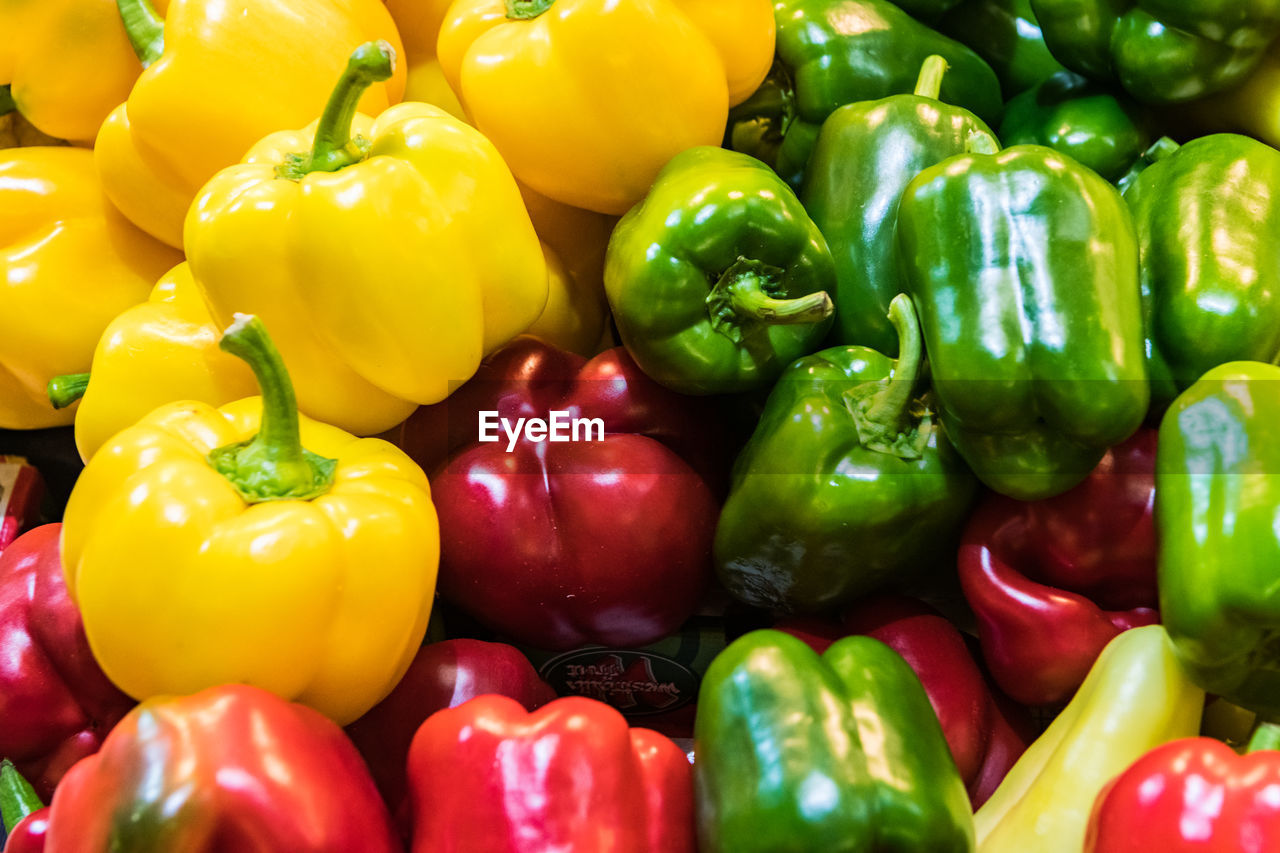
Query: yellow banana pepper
[588, 99]
[419, 24]
[70, 263]
[1135, 698]
[387, 262]
[219, 77]
[161, 351]
[206, 546]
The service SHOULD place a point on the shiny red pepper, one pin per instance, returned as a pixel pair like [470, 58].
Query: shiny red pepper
[559, 544]
[489, 776]
[22, 813]
[1051, 582]
[1193, 796]
[56, 705]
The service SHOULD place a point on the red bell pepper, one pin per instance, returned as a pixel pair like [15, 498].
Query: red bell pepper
[1193, 796]
[560, 544]
[1052, 582]
[231, 768]
[23, 815]
[488, 776]
[56, 705]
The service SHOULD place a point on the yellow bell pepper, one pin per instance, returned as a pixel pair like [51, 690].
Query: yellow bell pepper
[1251, 108]
[205, 546]
[419, 24]
[17, 132]
[70, 263]
[161, 351]
[1135, 698]
[588, 99]
[387, 262]
[219, 77]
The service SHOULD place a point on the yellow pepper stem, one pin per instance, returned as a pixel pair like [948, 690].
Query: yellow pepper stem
[145, 29]
[1266, 736]
[7, 104]
[334, 147]
[929, 84]
[525, 10]
[273, 465]
[66, 389]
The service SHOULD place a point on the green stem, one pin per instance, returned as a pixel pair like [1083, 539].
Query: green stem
[885, 413]
[1159, 150]
[741, 302]
[7, 104]
[334, 147]
[1266, 736]
[66, 389]
[17, 798]
[145, 29]
[273, 465]
[526, 10]
[929, 84]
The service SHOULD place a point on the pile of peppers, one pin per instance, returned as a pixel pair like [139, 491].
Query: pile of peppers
[640, 426]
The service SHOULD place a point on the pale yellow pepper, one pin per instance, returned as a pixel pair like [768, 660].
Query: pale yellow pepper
[419, 23]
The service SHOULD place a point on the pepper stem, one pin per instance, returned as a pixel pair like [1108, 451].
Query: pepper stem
[145, 29]
[7, 103]
[66, 389]
[1159, 150]
[334, 147]
[741, 301]
[929, 84]
[273, 465]
[17, 798]
[1265, 736]
[881, 409]
[526, 10]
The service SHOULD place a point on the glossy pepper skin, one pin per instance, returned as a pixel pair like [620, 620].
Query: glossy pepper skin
[308, 575]
[848, 484]
[231, 767]
[865, 156]
[1082, 119]
[219, 77]
[559, 544]
[1251, 108]
[1192, 795]
[65, 252]
[490, 776]
[1160, 51]
[1136, 698]
[1007, 35]
[1034, 331]
[419, 23]
[836, 52]
[588, 99]
[926, 10]
[842, 752]
[1208, 222]
[1217, 517]
[718, 279]
[1051, 582]
[385, 246]
[56, 704]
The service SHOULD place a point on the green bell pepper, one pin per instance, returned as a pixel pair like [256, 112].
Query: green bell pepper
[865, 156]
[1161, 51]
[835, 52]
[1218, 514]
[1007, 35]
[1024, 268]
[1080, 118]
[847, 485]
[928, 11]
[841, 753]
[718, 279]
[1208, 222]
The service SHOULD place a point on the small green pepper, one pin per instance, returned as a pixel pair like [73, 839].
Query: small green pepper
[1007, 35]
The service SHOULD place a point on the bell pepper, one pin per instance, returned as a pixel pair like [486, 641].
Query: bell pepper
[797, 753]
[582, 107]
[1007, 35]
[377, 305]
[865, 156]
[1135, 698]
[161, 351]
[1192, 795]
[442, 675]
[555, 544]
[1084, 120]
[219, 77]
[1052, 582]
[1251, 108]
[17, 132]
[926, 10]
[718, 279]
[490, 776]
[231, 767]
[308, 572]
[1034, 332]
[56, 704]
[24, 820]
[1219, 534]
[1208, 221]
[65, 253]
[848, 484]
[836, 52]
[1160, 51]
[418, 23]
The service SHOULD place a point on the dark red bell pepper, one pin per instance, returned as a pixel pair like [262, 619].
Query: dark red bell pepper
[22, 813]
[56, 705]
[1193, 795]
[560, 544]
[231, 768]
[490, 776]
[1051, 582]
